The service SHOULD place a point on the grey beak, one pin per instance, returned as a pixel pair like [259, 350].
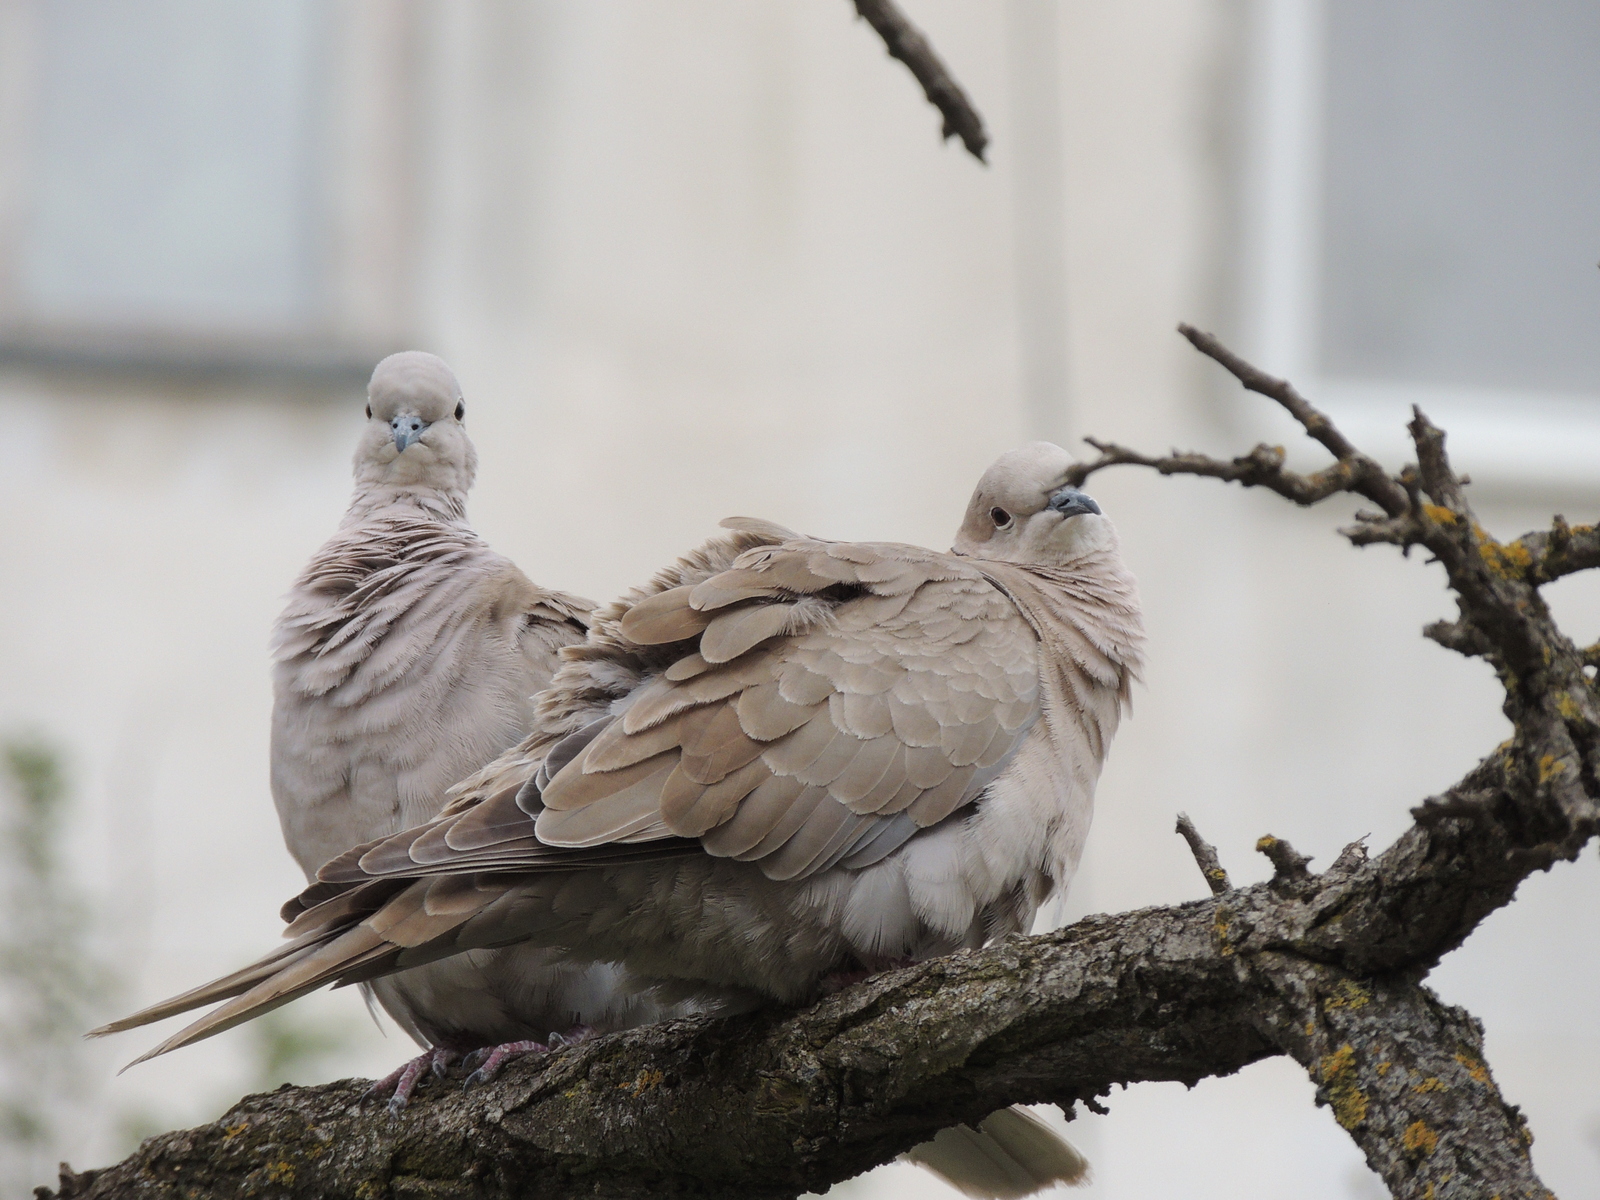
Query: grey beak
[407, 429]
[1070, 502]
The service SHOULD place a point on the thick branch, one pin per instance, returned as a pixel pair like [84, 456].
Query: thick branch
[1406, 1078]
[775, 1104]
[907, 43]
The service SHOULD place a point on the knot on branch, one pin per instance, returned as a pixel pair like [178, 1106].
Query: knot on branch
[1452, 804]
[1460, 637]
[1289, 871]
[71, 1185]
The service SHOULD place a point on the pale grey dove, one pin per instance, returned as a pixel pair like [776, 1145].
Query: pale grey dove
[783, 761]
[408, 657]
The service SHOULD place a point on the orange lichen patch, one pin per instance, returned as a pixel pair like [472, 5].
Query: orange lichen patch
[1338, 1075]
[1440, 514]
[1348, 994]
[1509, 560]
[1474, 1068]
[645, 1080]
[1431, 1084]
[1337, 1063]
[1419, 1139]
[1550, 766]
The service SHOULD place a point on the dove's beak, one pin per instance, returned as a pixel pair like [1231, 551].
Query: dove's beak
[407, 429]
[1070, 502]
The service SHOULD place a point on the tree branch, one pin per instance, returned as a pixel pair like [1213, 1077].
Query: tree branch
[1324, 968]
[907, 43]
[1205, 856]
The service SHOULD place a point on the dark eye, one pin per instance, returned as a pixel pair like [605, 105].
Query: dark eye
[369, 412]
[1000, 517]
[461, 409]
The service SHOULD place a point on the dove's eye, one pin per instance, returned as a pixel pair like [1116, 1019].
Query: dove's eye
[461, 409]
[1000, 517]
[369, 412]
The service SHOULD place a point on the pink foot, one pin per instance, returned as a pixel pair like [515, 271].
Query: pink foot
[495, 1057]
[404, 1079]
[492, 1058]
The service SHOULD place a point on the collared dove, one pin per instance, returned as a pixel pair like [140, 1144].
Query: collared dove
[783, 761]
[408, 656]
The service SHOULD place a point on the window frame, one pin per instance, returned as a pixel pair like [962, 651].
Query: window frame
[369, 229]
[1520, 438]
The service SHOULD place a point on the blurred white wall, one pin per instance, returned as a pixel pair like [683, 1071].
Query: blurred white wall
[705, 259]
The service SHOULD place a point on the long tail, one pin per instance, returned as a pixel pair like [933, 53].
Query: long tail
[218, 989]
[1010, 1154]
[331, 943]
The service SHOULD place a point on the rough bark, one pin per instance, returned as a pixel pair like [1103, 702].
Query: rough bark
[1325, 968]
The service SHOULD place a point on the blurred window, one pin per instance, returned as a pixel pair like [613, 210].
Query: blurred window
[1422, 222]
[1461, 192]
[175, 177]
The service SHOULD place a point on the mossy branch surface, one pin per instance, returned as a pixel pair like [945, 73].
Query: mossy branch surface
[1326, 968]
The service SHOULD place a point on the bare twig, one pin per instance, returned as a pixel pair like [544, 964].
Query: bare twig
[1205, 854]
[907, 43]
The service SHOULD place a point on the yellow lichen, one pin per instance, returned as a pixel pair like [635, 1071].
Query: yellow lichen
[1474, 1068]
[280, 1172]
[1440, 514]
[1266, 843]
[1348, 1101]
[234, 1131]
[1510, 560]
[1349, 994]
[1568, 707]
[1419, 1139]
[1383, 1069]
[1220, 928]
[1431, 1084]
[1549, 767]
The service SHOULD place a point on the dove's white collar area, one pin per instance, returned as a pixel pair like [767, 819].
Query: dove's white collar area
[1023, 512]
[415, 446]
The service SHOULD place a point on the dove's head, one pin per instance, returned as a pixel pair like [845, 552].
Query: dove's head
[415, 441]
[1023, 511]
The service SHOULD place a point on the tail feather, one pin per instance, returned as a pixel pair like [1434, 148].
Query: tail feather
[303, 974]
[225, 988]
[1010, 1154]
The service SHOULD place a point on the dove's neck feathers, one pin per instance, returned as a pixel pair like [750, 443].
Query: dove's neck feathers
[1088, 620]
[386, 499]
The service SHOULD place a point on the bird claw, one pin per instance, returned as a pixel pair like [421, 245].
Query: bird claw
[498, 1056]
[402, 1082]
[489, 1059]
